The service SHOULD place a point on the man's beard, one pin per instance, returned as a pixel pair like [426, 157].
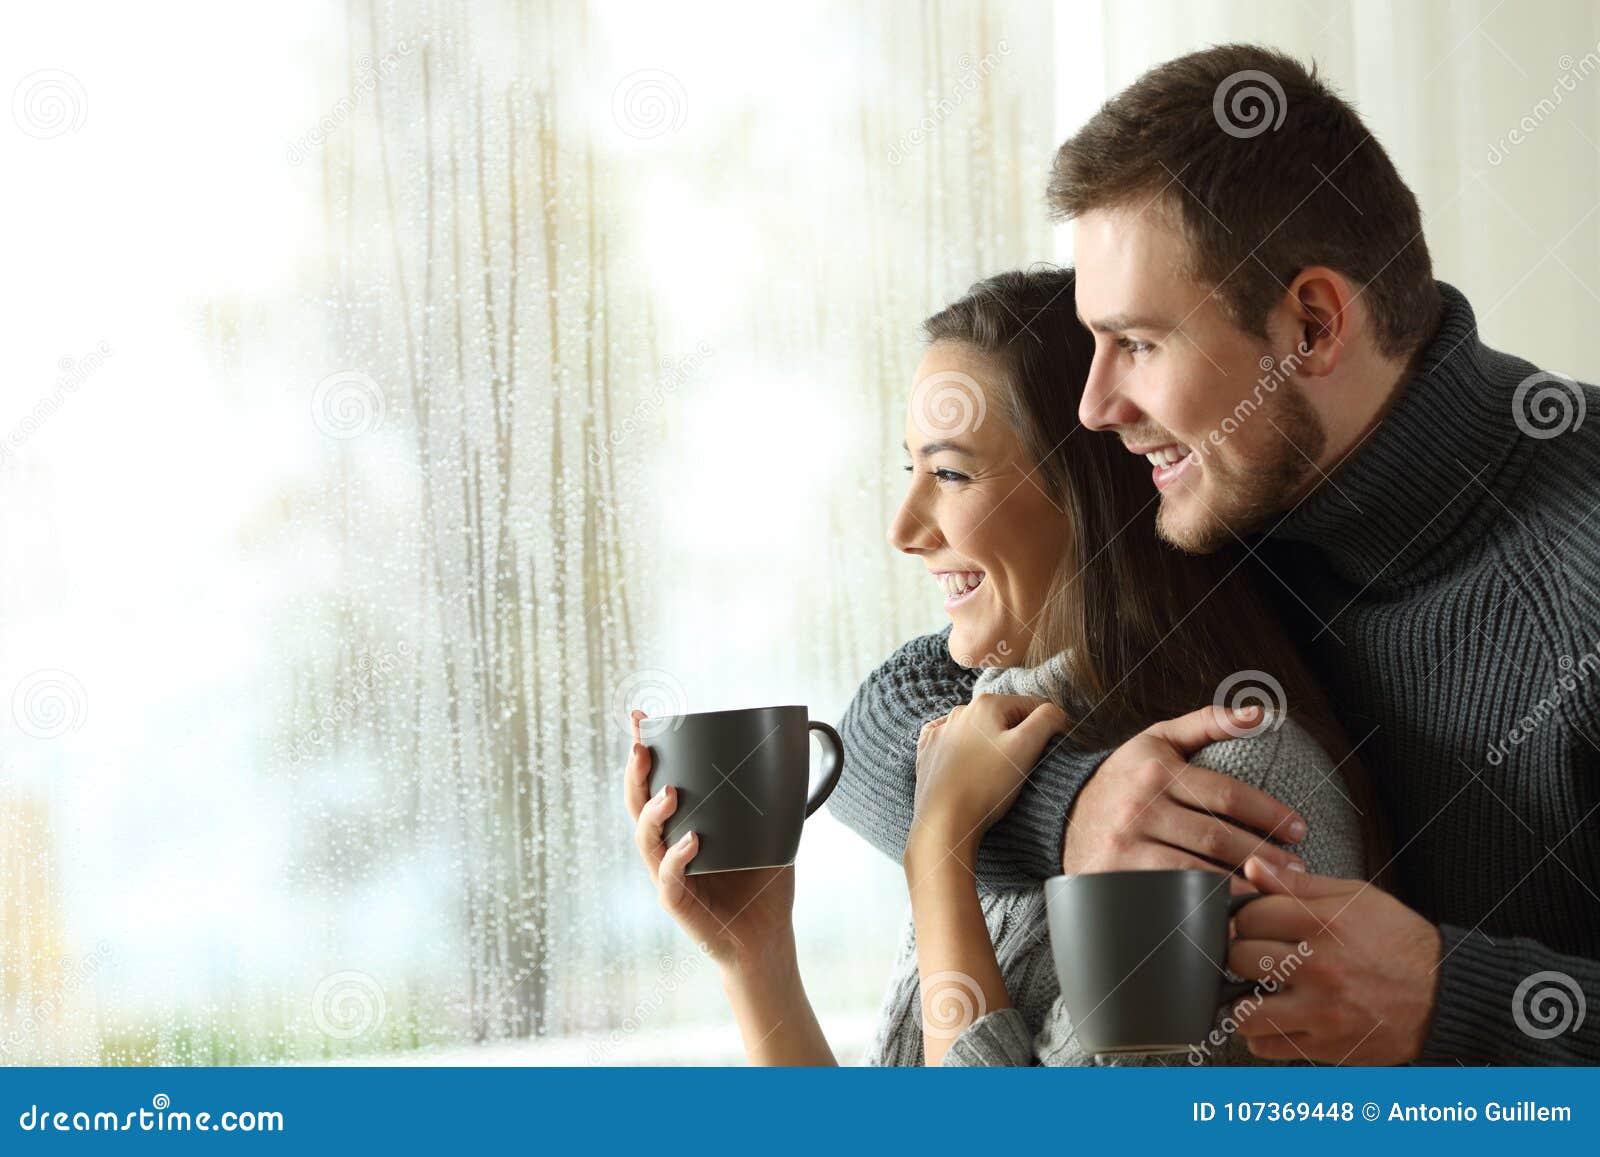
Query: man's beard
[1246, 497]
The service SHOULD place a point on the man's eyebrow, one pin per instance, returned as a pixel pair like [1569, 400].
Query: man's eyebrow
[935, 447]
[1122, 322]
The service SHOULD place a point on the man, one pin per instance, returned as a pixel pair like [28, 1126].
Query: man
[1269, 333]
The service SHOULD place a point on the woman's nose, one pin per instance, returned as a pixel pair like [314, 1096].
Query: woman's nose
[910, 530]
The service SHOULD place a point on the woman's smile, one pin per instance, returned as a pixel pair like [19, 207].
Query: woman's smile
[958, 585]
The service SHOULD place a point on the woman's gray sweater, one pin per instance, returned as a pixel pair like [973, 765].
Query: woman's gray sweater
[1283, 761]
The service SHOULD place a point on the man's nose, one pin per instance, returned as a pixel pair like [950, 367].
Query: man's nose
[1105, 405]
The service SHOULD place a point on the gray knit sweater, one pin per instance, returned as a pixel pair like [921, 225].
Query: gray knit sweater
[1037, 1029]
[1447, 589]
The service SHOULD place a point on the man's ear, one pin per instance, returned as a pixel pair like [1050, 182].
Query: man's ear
[1318, 307]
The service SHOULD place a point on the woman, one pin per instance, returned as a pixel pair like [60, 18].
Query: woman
[1041, 537]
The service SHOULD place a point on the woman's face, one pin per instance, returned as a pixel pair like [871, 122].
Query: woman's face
[976, 513]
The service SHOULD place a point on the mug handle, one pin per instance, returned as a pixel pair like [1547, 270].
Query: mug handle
[1233, 990]
[832, 765]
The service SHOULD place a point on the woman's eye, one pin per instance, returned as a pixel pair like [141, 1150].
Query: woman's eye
[942, 475]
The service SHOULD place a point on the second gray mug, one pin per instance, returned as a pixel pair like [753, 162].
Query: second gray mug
[1142, 956]
[741, 777]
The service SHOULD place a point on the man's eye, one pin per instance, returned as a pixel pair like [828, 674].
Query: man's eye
[1134, 346]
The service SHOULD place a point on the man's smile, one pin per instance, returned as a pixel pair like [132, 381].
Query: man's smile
[1167, 460]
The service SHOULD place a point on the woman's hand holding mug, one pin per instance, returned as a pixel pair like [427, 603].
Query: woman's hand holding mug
[744, 920]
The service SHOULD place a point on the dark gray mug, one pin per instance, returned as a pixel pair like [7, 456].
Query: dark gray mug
[741, 778]
[1142, 956]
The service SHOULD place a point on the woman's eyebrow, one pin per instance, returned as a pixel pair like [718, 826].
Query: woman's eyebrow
[935, 447]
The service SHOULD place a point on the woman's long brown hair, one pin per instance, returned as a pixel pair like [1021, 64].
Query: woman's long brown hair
[1150, 633]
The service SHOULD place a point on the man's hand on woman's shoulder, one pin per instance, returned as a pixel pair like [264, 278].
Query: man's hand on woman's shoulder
[1149, 807]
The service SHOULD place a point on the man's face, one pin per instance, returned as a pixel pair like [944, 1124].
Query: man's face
[1233, 441]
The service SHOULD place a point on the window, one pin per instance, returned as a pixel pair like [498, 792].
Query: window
[436, 382]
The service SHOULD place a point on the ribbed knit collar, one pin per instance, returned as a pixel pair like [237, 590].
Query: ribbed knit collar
[1418, 487]
[1051, 679]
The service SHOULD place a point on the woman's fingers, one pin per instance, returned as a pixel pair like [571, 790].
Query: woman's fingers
[671, 884]
[636, 780]
[1009, 709]
[647, 831]
[1211, 837]
[1222, 795]
[636, 774]
[1043, 723]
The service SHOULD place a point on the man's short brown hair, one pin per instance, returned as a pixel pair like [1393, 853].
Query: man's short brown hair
[1269, 172]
